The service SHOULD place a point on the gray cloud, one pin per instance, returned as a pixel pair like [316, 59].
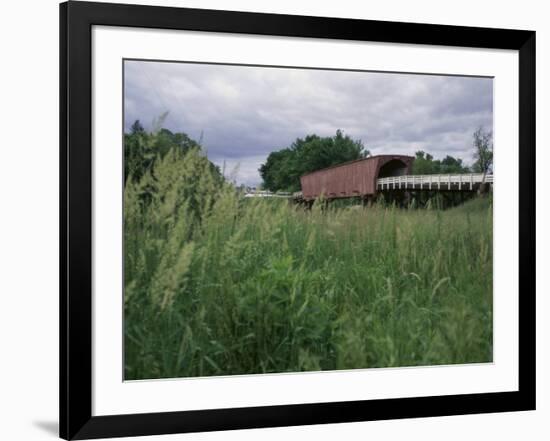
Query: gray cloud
[244, 112]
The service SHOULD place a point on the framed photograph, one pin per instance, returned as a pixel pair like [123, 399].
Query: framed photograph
[272, 220]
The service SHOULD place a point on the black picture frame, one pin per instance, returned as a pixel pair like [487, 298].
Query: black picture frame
[76, 21]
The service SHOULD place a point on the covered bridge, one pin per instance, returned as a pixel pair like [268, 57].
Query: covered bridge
[355, 178]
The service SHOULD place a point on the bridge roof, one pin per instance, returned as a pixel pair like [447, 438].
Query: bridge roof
[369, 158]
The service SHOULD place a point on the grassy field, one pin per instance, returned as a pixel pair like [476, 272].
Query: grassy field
[220, 285]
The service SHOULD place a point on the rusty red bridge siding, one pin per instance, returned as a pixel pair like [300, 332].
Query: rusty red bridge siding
[355, 178]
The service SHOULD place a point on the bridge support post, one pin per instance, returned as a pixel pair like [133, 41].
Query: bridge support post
[483, 188]
[407, 198]
[367, 200]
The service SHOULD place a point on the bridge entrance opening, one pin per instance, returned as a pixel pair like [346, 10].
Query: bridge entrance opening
[395, 167]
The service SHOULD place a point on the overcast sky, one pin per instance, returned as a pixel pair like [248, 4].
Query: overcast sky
[245, 112]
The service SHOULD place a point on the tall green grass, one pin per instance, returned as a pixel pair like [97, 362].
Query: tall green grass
[220, 285]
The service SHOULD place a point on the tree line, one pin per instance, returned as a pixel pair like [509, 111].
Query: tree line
[283, 168]
[142, 149]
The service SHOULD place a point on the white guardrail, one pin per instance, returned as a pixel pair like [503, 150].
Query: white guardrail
[267, 194]
[465, 181]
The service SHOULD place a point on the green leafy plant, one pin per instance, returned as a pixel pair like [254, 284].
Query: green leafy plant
[217, 284]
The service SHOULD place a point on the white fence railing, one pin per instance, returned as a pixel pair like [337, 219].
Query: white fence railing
[465, 181]
[267, 194]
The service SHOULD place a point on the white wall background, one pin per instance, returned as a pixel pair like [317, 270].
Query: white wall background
[29, 217]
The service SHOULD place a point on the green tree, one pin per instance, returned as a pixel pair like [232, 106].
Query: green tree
[425, 164]
[277, 170]
[137, 127]
[142, 148]
[450, 164]
[283, 168]
[483, 150]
